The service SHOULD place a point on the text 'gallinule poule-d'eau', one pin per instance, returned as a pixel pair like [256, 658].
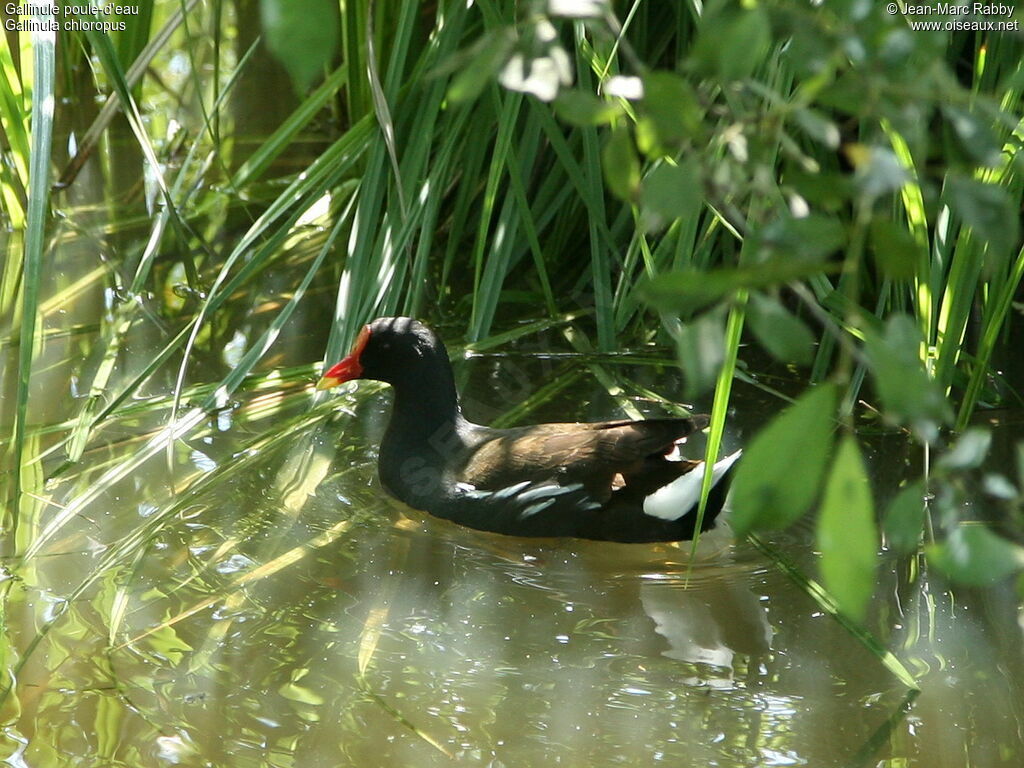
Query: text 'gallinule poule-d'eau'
[611, 480]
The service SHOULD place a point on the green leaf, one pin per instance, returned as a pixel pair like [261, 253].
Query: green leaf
[300, 694]
[168, 644]
[583, 108]
[807, 51]
[745, 44]
[303, 36]
[895, 250]
[999, 486]
[782, 469]
[670, 112]
[784, 335]
[975, 135]
[688, 290]
[974, 555]
[810, 238]
[670, 192]
[969, 451]
[482, 62]
[818, 127]
[846, 533]
[904, 519]
[988, 211]
[731, 45]
[621, 166]
[878, 170]
[847, 93]
[700, 345]
[828, 191]
[908, 394]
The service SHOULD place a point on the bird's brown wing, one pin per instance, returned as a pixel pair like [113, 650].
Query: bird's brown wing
[598, 455]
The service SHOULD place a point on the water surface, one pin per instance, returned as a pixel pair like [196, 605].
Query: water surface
[275, 608]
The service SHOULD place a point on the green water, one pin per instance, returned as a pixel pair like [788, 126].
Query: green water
[276, 609]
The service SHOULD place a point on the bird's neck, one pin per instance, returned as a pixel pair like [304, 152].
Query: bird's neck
[425, 438]
[420, 408]
[426, 416]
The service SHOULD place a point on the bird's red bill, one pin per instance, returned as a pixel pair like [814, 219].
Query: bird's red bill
[348, 369]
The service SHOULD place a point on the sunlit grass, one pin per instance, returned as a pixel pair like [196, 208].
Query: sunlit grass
[43, 99]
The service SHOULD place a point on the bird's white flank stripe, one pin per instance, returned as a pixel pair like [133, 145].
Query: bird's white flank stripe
[680, 497]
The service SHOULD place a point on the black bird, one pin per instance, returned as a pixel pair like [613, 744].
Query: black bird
[611, 480]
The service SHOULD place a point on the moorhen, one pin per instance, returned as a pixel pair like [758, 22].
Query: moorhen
[612, 480]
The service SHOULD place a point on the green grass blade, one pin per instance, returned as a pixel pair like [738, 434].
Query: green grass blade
[43, 61]
[126, 313]
[13, 122]
[816, 592]
[91, 138]
[381, 109]
[258, 162]
[720, 407]
[179, 427]
[486, 284]
[600, 267]
[992, 327]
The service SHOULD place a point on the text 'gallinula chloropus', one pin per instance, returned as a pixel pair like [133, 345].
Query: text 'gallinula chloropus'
[611, 480]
